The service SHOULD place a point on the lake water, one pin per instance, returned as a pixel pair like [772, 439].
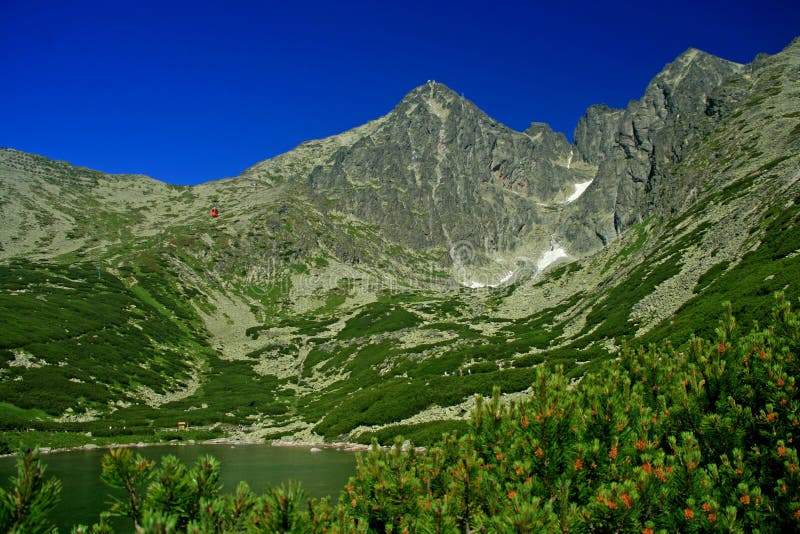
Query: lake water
[84, 495]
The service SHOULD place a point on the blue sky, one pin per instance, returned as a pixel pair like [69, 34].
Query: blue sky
[195, 91]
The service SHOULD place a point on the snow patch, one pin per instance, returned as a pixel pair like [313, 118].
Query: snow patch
[545, 259]
[580, 188]
[550, 256]
[474, 284]
[506, 278]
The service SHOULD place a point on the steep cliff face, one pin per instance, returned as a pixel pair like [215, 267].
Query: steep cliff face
[437, 170]
[596, 133]
[636, 148]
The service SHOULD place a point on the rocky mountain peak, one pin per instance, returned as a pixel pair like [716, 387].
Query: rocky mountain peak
[431, 90]
[692, 72]
[437, 100]
[437, 170]
[635, 148]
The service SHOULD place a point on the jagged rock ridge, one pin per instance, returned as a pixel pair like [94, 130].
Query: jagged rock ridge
[436, 170]
[635, 148]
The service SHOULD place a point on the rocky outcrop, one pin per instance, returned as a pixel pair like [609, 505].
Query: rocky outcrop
[636, 148]
[437, 170]
[596, 133]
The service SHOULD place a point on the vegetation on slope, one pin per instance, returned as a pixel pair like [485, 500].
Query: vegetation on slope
[697, 439]
[75, 338]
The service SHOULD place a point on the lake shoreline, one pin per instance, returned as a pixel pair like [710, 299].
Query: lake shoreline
[312, 446]
[262, 467]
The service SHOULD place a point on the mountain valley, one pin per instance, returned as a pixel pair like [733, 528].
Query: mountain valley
[370, 284]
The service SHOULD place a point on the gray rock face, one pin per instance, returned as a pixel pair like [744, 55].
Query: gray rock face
[596, 133]
[437, 170]
[635, 149]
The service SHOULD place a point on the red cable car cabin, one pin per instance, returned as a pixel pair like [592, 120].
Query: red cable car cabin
[214, 212]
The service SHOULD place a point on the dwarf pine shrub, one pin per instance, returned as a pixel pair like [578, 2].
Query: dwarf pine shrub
[699, 438]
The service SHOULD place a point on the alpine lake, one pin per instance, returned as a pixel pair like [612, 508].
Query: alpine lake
[84, 495]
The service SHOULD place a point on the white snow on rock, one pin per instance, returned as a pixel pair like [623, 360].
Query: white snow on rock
[506, 278]
[550, 256]
[474, 284]
[580, 188]
[546, 258]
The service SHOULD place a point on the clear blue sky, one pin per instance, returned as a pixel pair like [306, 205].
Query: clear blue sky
[195, 91]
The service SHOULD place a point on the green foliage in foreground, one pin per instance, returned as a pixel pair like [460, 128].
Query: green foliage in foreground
[421, 434]
[25, 506]
[694, 440]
